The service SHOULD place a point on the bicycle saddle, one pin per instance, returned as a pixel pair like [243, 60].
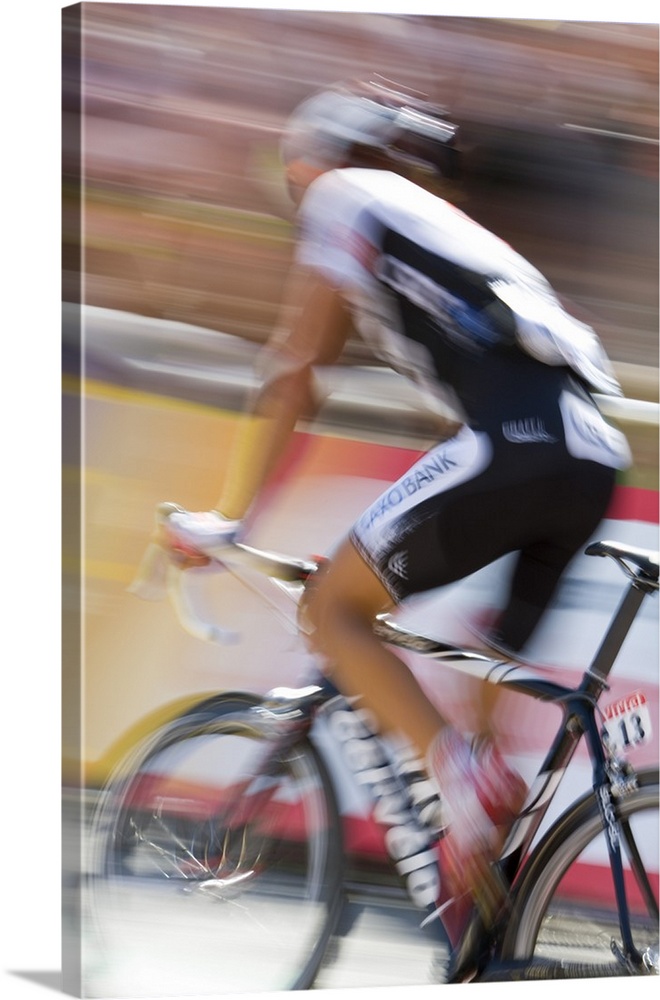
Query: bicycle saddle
[645, 560]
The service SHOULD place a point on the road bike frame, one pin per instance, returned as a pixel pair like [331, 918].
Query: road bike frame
[612, 778]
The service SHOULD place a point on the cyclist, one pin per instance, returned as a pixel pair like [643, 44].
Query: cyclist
[530, 469]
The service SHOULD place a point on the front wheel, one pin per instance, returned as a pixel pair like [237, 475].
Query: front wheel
[218, 861]
[564, 921]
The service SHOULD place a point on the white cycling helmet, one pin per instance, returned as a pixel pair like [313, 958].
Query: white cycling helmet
[344, 124]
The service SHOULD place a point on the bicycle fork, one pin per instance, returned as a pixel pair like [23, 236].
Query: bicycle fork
[613, 780]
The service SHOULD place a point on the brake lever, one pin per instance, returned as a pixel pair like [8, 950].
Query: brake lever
[150, 581]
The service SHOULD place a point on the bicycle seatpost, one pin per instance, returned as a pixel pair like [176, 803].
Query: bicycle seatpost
[602, 663]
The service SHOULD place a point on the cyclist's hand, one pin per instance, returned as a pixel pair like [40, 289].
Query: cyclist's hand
[204, 531]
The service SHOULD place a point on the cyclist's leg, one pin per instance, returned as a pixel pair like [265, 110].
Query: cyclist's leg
[541, 563]
[357, 586]
[479, 799]
[342, 609]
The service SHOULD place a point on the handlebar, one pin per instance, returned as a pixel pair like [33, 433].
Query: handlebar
[167, 559]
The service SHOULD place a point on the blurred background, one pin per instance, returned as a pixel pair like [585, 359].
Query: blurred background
[177, 237]
[185, 214]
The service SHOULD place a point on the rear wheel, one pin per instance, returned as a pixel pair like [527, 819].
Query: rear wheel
[218, 861]
[565, 916]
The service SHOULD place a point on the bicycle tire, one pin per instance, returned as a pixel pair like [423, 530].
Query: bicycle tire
[552, 932]
[208, 879]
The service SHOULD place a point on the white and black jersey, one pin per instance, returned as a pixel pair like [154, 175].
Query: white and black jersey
[428, 285]
[455, 309]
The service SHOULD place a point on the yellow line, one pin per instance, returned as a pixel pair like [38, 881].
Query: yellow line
[95, 389]
[102, 570]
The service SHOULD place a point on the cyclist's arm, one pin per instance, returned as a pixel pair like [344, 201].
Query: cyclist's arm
[314, 333]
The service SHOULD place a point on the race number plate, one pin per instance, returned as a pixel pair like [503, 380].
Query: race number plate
[627, 724]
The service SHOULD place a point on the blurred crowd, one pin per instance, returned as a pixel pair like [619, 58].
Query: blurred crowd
[185, 213]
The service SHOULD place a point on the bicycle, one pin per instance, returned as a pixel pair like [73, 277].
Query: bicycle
[231, 807]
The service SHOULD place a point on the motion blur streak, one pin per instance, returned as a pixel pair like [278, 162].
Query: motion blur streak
[186, 216]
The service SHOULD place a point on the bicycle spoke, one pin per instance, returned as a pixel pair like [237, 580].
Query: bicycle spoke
[203, 858]
[637, 866]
